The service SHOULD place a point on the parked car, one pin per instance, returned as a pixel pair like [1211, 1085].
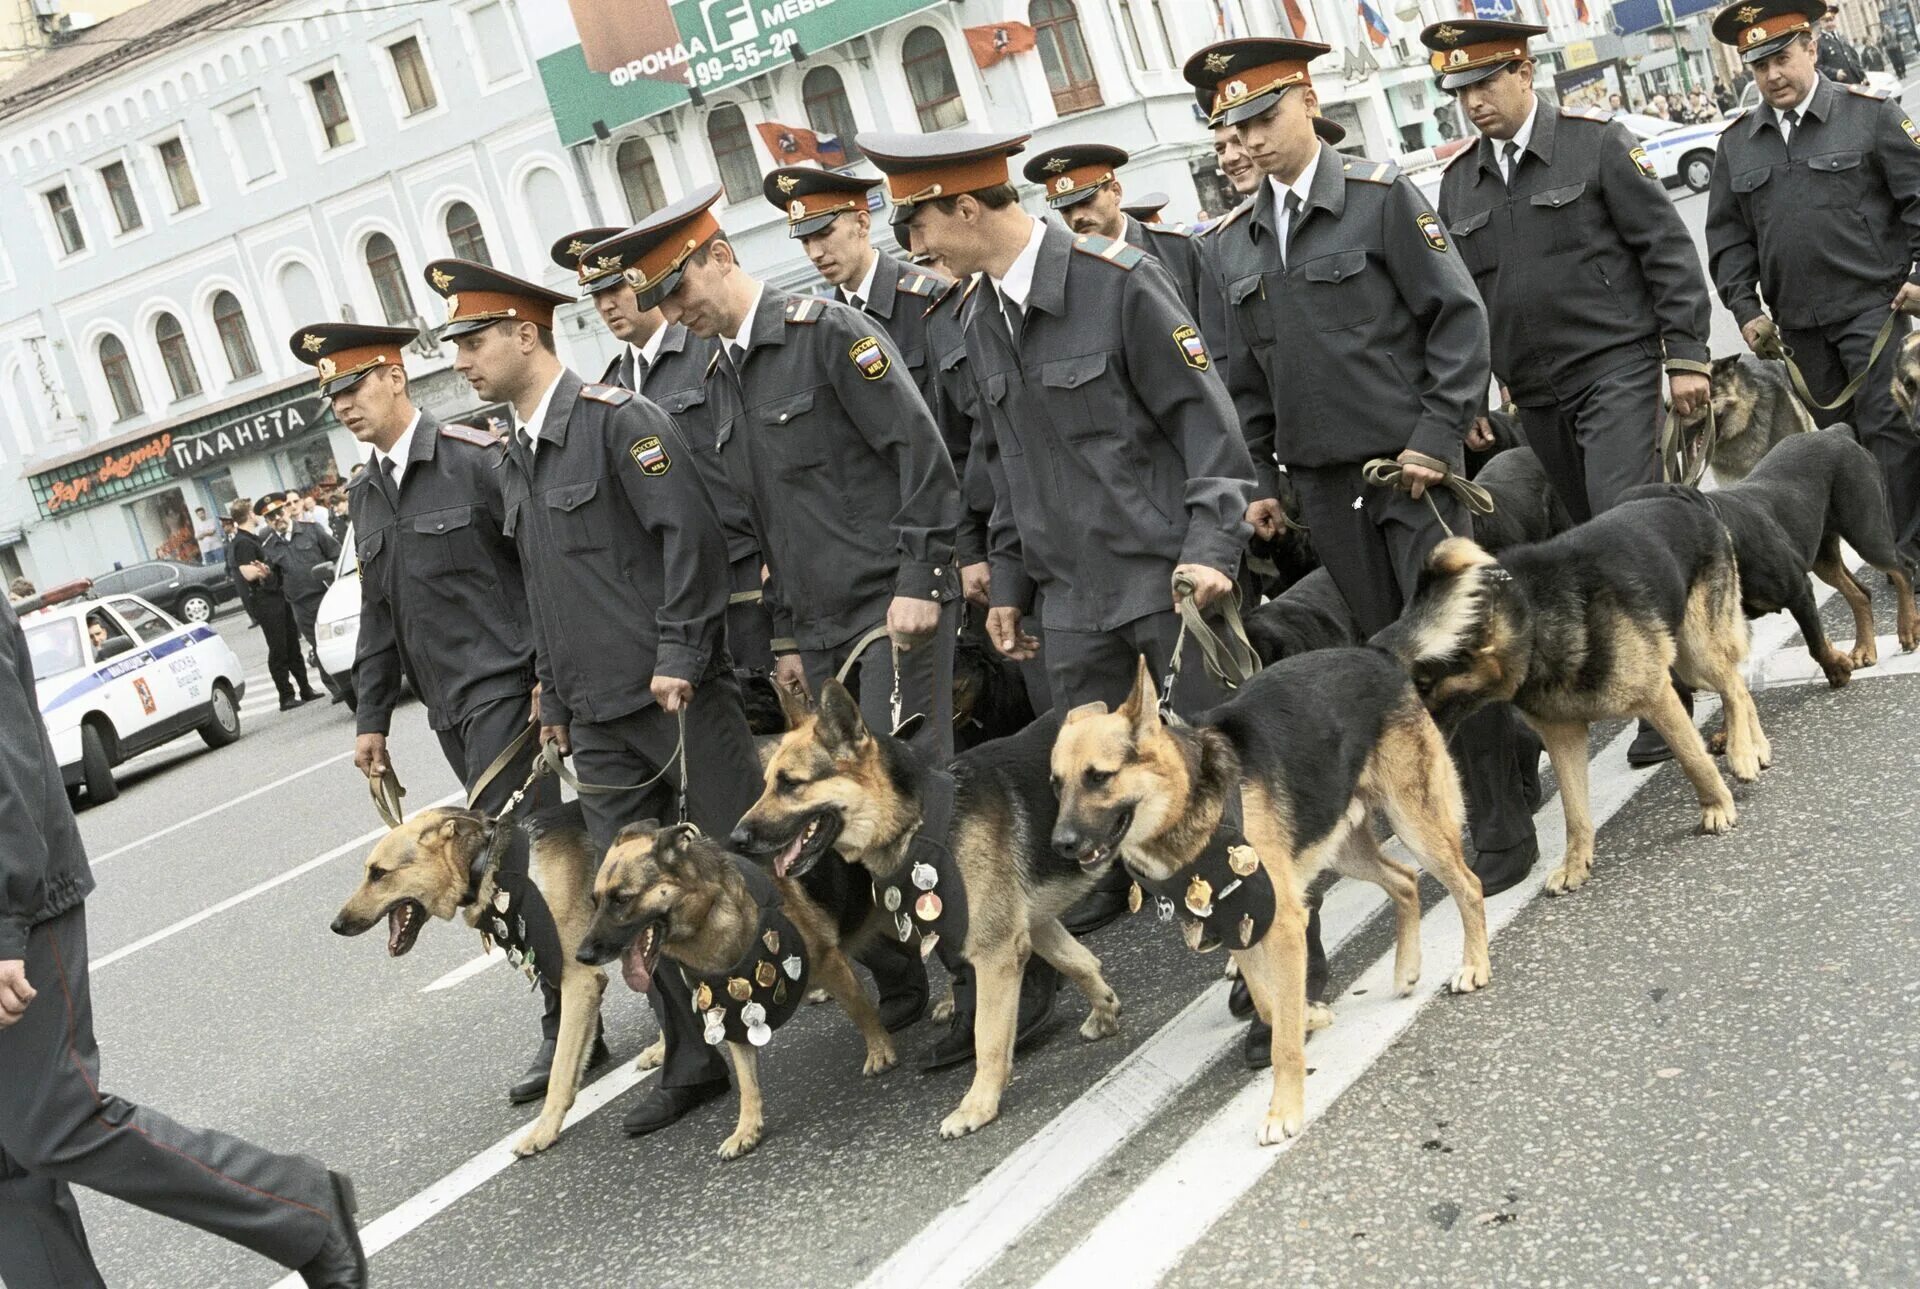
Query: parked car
[1681, 154]
[190, 592]
[336, 628]
[147, 681]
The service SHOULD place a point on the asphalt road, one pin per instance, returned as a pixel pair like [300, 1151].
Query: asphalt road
[1699, 1069]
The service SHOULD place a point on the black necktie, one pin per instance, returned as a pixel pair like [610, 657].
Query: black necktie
[637, 372]
[1292, 205]
[857, 303]
[1792, 118]
[1513, 160]
[389, 483]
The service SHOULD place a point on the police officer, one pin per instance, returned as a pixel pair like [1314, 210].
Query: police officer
[266, 604]
[1838, 59]
[1146, 208]
[668, 364]
[292, 549]
[1815, 202]
[427, 505]
[1365, 338]
[626, 577]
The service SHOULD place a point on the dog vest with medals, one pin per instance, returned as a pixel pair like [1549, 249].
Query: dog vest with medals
[1225, 896]
[926, 893]
[754, 997]
[516, 916]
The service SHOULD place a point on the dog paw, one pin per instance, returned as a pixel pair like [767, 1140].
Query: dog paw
[1101, 1022]
[816, 996]
[1406, 976]
[652, 1056]
[1468, 979]
[742, 1141]
[1763, 751]
[1838, 668]
[1277, 1128]
[1567, 878]
[967, 1119]
[537, 1139]
[1232, 970]
[1319, 1016]
[1718, 818]
[942, 1011]
[1745, 766]
[1866, 652]
[1717, 743]
[880, 1058]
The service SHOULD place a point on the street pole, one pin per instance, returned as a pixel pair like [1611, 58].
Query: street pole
[1680, 54]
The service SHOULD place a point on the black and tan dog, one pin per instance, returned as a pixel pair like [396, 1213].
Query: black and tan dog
[1310, 614]
[441, 864]
[1309, 748]
[1525, 506]
[1584, 628]
[1754, 409]
[673, 893]
[959, 858]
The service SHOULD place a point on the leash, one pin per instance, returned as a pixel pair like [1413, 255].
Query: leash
[860, 646]
[387, 790]
[501, 762]
[1384, 472]
[552, 759]
[1230, 660]
[1773, 347]
[1675, 465]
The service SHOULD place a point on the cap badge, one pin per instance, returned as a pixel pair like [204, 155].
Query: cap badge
[311, 343]
[1063, 184]
[1753, 35]
[443, 279]
[1234, 91]
[1446, 35]
[1747, 13]
[1457, 57]
[787, 183]
[796, 210]
[577, 248]
[453, 307]
[327, 368]
[606, 263]
[1056, 165]
[1218, 62]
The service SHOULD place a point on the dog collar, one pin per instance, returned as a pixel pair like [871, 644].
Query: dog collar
[516, 916]
[926, 893]
[757, 995]
[1225, 896]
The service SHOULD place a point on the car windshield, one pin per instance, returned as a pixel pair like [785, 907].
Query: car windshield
[55, 648]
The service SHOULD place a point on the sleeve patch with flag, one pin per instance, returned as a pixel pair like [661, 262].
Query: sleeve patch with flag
[869, 358]
[650, 456]
[1642, 160]
[1193, 350]
[1906, 123]
[1429, 225]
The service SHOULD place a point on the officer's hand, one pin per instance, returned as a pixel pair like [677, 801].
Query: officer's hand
[370, 755]
[1480, 434]
[1907, 300]
[15, 992]
[1209, 584]
[1757, 330]
[1266, 516]
[556, 735]
[911, 621]
[790, 674]
[1690, 392]
[671, 692]
[1418, 477]
[1003, 628]
[976, 582]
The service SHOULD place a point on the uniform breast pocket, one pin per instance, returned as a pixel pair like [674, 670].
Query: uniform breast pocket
[1337, 292]
[369, 551]
[1248, 296]
[1837, 180]
[579, 522]
[1753, 190]
[1475, 240]
[1076, 395]
[789, 429]
[1562, 214]
[688, 408]
[442, 541]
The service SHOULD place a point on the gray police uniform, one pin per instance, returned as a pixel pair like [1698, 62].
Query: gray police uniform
[1117, 460]
[1591, 284]
[901, 294]
[58, 1127]
[853, 496]
[1178, 251]
[1828, 227]
[1365, 340]
[626, 577]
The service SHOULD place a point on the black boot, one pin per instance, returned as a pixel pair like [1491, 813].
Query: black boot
[1240, 999]
[532, 1085]
[1500, 870]
[1648, 747]
[1038, 986]
[341, 1262]
[902, 977]
[664, 1106]
[1106, 902]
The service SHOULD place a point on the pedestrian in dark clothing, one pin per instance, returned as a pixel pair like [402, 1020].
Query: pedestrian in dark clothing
[1836, 56]
[1897, 58]
[265, 601]
[292, 548]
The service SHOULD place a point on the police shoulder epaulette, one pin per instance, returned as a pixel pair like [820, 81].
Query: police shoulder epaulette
[1227, 218]
[973, 284]
[941, 290]
[470, 434]
[1454, 160]
[1371, 172]
[920, 284]
[1866, 92]
[1169, 230]
[805, 309]
[606, 394]
[1103, 248]
[1587, 113]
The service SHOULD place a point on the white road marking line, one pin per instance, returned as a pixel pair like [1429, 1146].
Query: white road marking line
[208, 813]
[999, 1209]
[466, 971]
[187, 923]
[398, 1222]
[1796, 667]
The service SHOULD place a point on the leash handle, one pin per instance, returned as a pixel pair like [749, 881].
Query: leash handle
[387, 791]
[1677, 463]
[1771, 346]
[1385, 472]
[1229, 657]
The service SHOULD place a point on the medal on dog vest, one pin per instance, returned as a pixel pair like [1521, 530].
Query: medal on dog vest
[925, 894]
[752, 999]
[1225, 896]
[517, 918]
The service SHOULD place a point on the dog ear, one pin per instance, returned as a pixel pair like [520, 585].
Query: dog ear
[795, 704]
[639, 830]
[842, 728]
[1084, 712]
[1142, 708]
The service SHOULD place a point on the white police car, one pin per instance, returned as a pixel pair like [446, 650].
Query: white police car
[1681, 154]
[336, 627]
[116, 676]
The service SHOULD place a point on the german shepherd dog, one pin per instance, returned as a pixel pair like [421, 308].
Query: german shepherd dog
[1525, 506]
[835, 785]
[1906, 376]
[670, 892]
[425, 868]
[1310, 614]
[1585, 627]
[1313, 745]
[1788, 518]
[1754, 408]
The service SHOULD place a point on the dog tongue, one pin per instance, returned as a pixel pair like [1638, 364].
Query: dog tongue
[394, 926]
[785, 858]
[633, 966]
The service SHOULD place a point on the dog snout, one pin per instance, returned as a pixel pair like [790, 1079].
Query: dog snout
[1068, 842]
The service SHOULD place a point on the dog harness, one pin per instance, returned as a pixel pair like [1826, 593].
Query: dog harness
[926, 893]
[516, 916]
[746, 1003]
[1225, 896]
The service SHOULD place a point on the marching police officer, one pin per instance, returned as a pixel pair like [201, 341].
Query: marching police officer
[626, 576]
[1365, 338]
[1815, 202]
[427, 505]
[291, 550]
[668, 364]
[262, 596]
[1838, 59]
[1146, 208]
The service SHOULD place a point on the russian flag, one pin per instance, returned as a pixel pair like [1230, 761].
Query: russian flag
[1376, 25]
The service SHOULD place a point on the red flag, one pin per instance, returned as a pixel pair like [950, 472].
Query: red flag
[790, 145]
[1580, 13]
[1466, 9]
[995, 41]
[1298, 20]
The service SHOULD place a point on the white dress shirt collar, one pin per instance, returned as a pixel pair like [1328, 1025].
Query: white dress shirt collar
[1017, 285]
[533, 423]
[1302, 185]
[745, 336]
[865, 289]
[402, 446]
[1524, 135]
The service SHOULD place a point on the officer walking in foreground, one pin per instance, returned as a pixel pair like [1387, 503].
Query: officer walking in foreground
[626, 578]
[1815, 203]
[1364, 338]
[428, 505]
[57, 1127]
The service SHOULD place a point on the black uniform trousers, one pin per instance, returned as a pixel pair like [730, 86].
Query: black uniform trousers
[1099, 666]
[1375, 552]
[1603, 440]
[306, 617]
[926, 682]
[59, 1129]
[284, 663]
[723, 780]
[749, 625]
[1828, 357]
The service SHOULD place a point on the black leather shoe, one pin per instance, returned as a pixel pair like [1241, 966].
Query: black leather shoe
[532, 1085]
[289, 703]
[1257, 1049]
[901, 1010]
[341, 1262]
[1038, 1011]
[664, 1106]
[310, 696]
[1240, 998]
[1105, 903]
[1500, 870]
[1648, 747]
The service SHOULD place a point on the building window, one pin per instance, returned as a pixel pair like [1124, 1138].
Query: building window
[389, 279]
[66, 219]
[327, 101]
[250, 142]
[639, 178]
[828, 111]
[173, 158]
[119, 375]
[1063, 52]
[465, 235]
[175, 356]
[410, 66]
[732, 145]
[493, 35]
[231, 323]
[936, 94]
[126, 207]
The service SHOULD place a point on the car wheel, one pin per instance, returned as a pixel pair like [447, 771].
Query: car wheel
[196, 606]
[1697, 169]
[223, 727]
[95, 769]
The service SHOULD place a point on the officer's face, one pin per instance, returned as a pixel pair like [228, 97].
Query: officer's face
[1498, 105]
[620, 313]
[1231, 156]
[490, 359]
[1784, 78]
[1099, 213]
[839, 250]
[368, 409]
[1280, 141]
[950, 237]
[700, 300]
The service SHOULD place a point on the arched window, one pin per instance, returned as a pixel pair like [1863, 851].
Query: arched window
[300, 294]
[936, 94]
[175, 356]
[389, 279]
[639, 178]
[732, 145]
[231, 323]
[469, 241]
[828, 111]
[1063, 52]
[119, 375]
